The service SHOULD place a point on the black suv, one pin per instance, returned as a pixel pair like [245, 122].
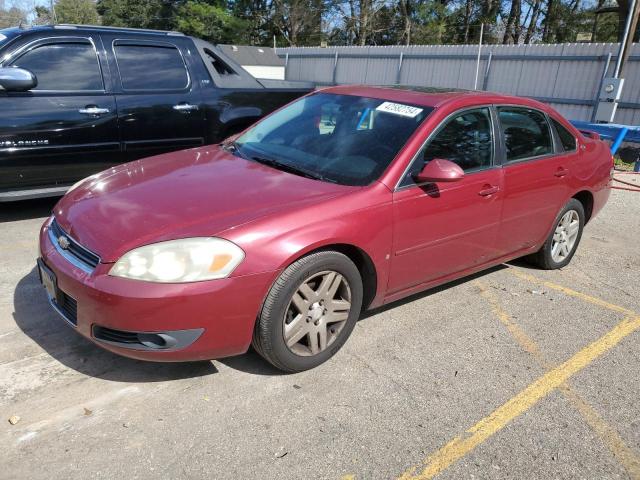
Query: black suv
[75, 100]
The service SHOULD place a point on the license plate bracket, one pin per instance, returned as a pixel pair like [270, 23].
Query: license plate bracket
[48, 280]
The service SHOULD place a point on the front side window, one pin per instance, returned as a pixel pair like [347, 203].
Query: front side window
[151, 67]
[526, 133]
[465, 139]
[64, 66]
[343, 139]
[567, 139]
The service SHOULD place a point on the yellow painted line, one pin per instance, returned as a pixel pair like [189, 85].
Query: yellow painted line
[522, 402]
[348, 477]
[608, 435]
[567, 291]
[627, 457]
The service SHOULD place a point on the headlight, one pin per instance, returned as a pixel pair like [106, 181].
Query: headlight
[178, 261]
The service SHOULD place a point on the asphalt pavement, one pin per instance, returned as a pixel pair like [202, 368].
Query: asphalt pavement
[512, 373]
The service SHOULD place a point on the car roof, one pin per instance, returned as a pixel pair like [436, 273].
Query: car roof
[432, 96]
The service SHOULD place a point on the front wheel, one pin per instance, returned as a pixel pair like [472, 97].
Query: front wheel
[563, 241]
[309, 312]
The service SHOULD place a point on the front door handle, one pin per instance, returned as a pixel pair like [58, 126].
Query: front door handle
[561, 172]
[93, 110]
[185, 107]
[488, 190]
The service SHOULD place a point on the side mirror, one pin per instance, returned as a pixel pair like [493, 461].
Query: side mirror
[439, 170]
[13, 79]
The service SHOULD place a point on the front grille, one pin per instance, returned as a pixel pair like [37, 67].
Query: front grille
[86, 257]
[116, 336]
[68, 306]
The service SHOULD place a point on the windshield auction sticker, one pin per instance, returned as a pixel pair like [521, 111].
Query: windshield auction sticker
[399, 109]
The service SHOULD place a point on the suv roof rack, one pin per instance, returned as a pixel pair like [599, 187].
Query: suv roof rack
[71, 26]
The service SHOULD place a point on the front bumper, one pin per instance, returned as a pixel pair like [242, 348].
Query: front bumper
[219, 314]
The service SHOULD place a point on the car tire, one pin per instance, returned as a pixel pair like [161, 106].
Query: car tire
[563, 241]
[325, 284]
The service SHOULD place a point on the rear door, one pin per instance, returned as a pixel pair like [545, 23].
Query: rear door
[444, 228]
[536, 173]
[64, 129]
[159, 105]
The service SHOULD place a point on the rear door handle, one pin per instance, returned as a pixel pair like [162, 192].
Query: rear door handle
[561, 172]
[93, 110]
[185, 107]
[488, 190]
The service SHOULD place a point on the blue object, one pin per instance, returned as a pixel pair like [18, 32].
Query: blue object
[362, 117]
[610, 131]
[618, 141]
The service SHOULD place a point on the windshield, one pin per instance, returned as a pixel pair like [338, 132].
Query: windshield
[337, 138]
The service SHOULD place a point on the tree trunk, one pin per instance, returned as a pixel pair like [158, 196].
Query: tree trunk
[531, 29]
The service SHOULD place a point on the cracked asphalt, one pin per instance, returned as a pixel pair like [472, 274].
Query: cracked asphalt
[512, 373]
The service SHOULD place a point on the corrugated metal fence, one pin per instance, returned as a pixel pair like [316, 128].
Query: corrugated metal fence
[567, 76]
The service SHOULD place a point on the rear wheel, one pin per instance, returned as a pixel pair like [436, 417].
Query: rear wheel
[309, 312]
[560, 246]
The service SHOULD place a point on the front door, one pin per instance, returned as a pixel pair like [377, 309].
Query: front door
[444, 228]
[64, 129]
[159, 105]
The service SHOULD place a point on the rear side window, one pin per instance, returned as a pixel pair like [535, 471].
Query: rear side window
[567, 139]
[64, 66]
[526, 133]
[151, 67]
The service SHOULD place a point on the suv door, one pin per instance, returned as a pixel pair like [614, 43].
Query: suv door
[159, 105]
[64, 129]
[536, 173]
[444, 228]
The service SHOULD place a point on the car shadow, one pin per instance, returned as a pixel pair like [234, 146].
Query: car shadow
[35, 317]
[27, 209]
[431, 291]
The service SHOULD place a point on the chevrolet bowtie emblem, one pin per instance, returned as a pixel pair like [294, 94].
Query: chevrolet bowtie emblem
[63, 242]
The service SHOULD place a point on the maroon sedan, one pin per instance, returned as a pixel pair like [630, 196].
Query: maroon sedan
[347, 199]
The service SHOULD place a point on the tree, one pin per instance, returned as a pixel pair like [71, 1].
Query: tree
[298, 21]
[209, 22]
[157, 14]
[12, 17]
[77, 11]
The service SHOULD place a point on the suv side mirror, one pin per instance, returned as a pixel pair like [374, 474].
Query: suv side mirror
[14, 79]
[439, 170]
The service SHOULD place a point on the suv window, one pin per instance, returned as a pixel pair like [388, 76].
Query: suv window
[567, 139]
[136, 62]
[465, 139]
[526, 133]
[67, 66]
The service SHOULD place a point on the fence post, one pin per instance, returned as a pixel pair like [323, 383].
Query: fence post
[485, 82]
[475, 83]
[286, 65]
[335, 67]
[596, 100]
[399, 74]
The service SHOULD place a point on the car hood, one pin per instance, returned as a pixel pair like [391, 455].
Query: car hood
[191, 193]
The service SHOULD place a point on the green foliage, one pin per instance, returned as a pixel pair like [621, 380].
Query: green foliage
[209, 22]
[77, 11]
[156, 14]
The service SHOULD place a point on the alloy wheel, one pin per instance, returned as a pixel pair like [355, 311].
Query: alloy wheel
[565, 235]
[317, 313]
